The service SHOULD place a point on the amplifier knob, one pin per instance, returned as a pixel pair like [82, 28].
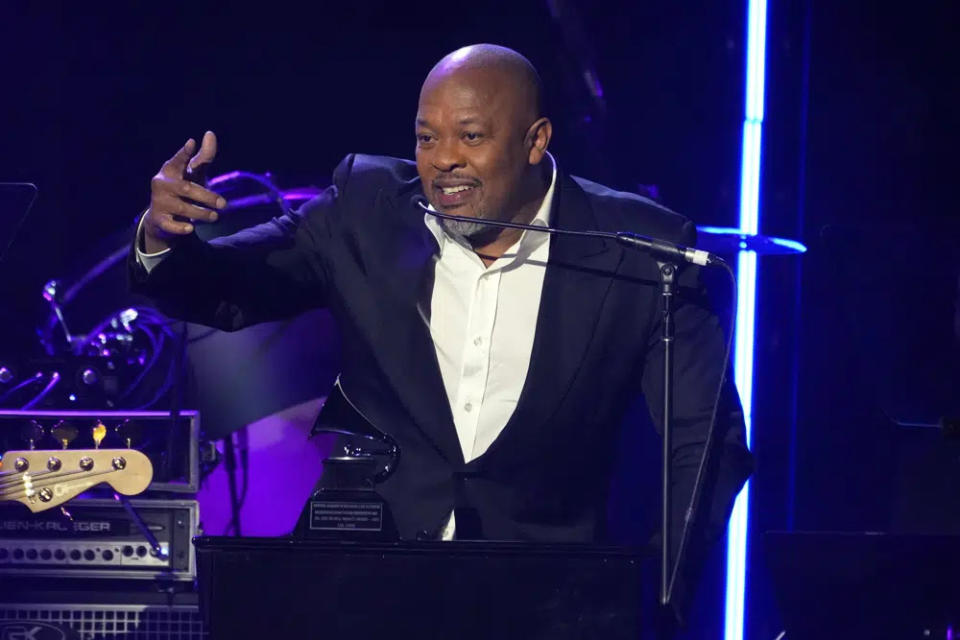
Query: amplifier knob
[4, 554]
[45, 554]
[31, 554]
[60, 554]
[89, 555]
[127, 550]
[75, 554]
[18, 554]
[107, 555]
[141, 551]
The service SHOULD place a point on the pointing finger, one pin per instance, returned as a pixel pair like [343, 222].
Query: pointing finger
[175, 166]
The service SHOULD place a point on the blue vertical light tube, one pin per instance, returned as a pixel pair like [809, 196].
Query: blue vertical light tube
[736, 582]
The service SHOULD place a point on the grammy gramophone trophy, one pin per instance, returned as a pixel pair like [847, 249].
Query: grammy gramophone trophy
[347, 505]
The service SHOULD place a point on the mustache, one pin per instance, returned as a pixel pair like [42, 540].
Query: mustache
[437, 182]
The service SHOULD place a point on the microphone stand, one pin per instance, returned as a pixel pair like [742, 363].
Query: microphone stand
[668, 272]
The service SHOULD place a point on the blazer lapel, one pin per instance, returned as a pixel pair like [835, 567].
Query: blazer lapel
[579, 274]
[405, 350]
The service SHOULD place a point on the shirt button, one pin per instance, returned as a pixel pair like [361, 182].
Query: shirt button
[468, 407]
[477, 341]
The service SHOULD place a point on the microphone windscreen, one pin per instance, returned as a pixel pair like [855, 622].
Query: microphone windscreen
[419, 200]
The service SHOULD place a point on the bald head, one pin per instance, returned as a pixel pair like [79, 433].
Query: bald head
[508, 72]
[481, 138]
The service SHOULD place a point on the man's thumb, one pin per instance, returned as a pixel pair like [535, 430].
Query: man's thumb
[207, 152]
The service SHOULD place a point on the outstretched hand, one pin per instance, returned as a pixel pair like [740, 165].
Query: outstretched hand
[176, 200]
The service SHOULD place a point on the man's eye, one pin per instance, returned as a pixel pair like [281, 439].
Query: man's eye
[472, 136]
[424, 138]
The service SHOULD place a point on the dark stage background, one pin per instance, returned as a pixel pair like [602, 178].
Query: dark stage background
[646, 96]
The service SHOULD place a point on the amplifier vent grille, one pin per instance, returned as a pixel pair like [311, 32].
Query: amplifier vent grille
[112, 622]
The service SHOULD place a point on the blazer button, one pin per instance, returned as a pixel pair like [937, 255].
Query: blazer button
[423, 534]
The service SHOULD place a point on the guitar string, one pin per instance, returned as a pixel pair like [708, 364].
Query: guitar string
[40, 485]
[12, 482]
[43, 476]
[53, 453]
[5, 482]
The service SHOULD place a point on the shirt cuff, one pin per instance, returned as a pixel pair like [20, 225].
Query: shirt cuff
[147, 260]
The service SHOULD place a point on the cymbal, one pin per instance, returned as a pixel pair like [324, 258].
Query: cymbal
[732, 240]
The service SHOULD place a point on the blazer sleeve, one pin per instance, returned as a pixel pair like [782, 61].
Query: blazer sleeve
[271, 271]
[698, 363]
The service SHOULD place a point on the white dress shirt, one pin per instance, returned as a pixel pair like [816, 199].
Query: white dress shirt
[482, 322]
[147, 260]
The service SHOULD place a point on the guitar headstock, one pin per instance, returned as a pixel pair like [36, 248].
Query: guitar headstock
[45, 479]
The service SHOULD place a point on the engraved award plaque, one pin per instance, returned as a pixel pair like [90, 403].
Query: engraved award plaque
[347, 504]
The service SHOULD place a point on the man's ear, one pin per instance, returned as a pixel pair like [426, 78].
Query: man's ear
[538, 139]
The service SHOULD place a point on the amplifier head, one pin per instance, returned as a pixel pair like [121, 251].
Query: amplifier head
[93, 538]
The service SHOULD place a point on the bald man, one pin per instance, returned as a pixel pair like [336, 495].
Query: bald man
[502, 362]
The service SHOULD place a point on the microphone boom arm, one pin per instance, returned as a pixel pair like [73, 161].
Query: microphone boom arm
[659, 248]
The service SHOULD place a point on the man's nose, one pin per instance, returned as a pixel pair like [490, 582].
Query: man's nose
[448, 156]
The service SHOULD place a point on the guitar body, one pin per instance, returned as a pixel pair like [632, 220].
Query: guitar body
[43, 479]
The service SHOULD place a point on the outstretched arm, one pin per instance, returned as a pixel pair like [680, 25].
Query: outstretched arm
[268, 272]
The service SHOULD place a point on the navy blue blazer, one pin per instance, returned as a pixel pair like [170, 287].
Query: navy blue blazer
[362, 250]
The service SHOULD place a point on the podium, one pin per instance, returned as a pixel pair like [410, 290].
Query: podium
[309, 589]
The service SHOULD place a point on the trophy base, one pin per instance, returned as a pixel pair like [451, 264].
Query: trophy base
[346, 514]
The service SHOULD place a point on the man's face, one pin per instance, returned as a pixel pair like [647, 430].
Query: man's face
[471, 151]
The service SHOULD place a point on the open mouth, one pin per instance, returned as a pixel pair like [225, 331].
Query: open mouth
[455, 195]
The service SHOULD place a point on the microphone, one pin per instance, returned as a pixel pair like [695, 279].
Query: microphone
[657, 248]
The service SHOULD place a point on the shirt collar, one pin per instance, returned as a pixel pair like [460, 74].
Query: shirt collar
[528, 241]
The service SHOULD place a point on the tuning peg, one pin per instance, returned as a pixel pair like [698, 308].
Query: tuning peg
[99, 432]
[31, 432]
[65, 433]
[129, 432]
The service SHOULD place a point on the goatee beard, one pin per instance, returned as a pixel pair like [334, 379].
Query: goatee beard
[467, 230]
